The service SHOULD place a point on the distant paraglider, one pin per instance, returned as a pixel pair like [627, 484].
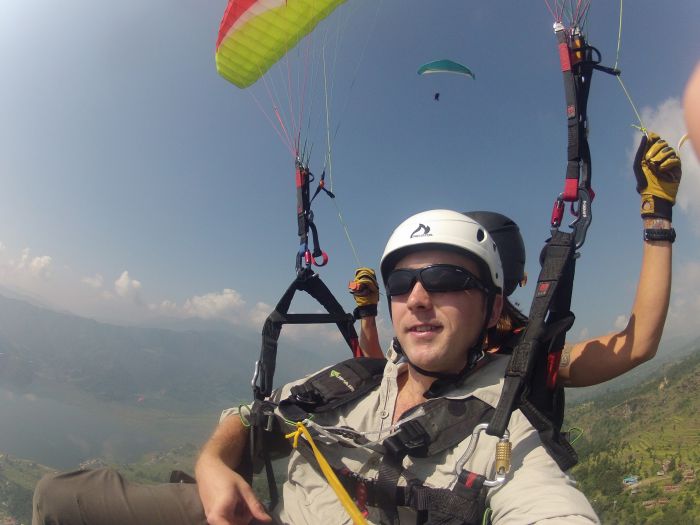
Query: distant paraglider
[444, 66]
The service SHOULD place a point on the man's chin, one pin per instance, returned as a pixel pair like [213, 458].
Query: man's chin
[433, 364]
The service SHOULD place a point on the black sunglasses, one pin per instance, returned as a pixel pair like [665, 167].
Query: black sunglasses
[434, 278]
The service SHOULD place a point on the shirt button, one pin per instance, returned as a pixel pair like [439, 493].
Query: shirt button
[384, 414]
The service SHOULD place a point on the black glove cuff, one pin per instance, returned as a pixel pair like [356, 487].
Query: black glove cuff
[369, 310]
[663, 234]
[661, 209]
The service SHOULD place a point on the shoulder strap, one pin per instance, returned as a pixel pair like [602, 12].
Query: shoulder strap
[527, 386]
[333, 387]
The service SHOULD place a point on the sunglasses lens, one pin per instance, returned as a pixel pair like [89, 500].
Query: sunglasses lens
[400, 282]
[436, 278]
[445, 279]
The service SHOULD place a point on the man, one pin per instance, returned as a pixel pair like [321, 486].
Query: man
[444, 279]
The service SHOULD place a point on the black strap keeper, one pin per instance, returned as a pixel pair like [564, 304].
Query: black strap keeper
[369, 310]
[661, 234]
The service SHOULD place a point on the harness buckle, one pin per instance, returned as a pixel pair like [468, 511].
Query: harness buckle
[408, 441]
[583, 216]
[262, 415]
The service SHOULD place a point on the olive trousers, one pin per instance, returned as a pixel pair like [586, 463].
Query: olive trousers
[104, 497]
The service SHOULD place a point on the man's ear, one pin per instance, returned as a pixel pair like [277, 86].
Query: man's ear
[496, 310]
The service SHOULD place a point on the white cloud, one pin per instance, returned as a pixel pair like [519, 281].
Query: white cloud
[34, 266]
[93, 282]
[165, 307]
[40, 265]
[127, 287]
[685, 300]
[621, 322]
[667, 120]
[226, 304]
[259, 313]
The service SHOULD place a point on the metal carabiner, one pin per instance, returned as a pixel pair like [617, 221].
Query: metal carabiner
[503, 454]
[558, 211]
[256, 373]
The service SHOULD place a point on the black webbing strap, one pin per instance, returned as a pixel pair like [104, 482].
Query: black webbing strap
[530, 383]
[305, 218]
[577, 70]
[303, 176]
[310, 283]
[550, 317]
[444, 424]
[462, 505]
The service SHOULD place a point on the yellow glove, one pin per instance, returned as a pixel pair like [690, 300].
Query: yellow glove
[365, 290]
[658, 172]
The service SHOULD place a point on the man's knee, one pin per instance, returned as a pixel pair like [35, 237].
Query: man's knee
[56, 496]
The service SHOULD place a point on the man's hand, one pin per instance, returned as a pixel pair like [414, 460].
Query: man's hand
[365, 290]
[657, 169]
[226, 497]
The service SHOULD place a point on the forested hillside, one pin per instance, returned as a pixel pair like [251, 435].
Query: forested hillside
[640, 448]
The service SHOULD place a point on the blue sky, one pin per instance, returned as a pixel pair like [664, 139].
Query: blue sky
[136, 183]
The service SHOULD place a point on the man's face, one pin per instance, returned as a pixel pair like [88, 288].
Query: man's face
[436, 329]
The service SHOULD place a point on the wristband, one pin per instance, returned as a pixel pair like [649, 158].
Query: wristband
[662, 234]
[369, 310]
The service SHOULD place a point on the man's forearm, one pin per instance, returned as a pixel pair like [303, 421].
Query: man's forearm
[226, 444]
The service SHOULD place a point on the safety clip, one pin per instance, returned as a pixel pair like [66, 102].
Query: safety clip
[503, 455]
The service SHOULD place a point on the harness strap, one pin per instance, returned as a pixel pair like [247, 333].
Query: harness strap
[310, 283]
[305, 218]
[464, 504]
[544, 336]
[386, 487]
[577, 69]
[303, 178]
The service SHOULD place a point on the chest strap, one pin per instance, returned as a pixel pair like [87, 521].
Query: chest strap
[464, 504]
[444, 424]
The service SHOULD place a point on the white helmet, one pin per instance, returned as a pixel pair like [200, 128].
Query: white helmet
[442, 229]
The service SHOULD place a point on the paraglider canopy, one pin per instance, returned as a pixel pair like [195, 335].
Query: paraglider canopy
[254, 34]
[445, 66]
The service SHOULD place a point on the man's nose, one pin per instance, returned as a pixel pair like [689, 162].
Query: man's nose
[418, 297]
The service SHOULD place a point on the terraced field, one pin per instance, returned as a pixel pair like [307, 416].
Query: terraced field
[651, 431]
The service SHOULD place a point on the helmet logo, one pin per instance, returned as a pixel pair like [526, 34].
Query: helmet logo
[421, 231]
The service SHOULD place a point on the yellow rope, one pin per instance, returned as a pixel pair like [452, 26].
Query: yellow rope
[329, 161]
[619, 38]
[332, 479]
[641, 126]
